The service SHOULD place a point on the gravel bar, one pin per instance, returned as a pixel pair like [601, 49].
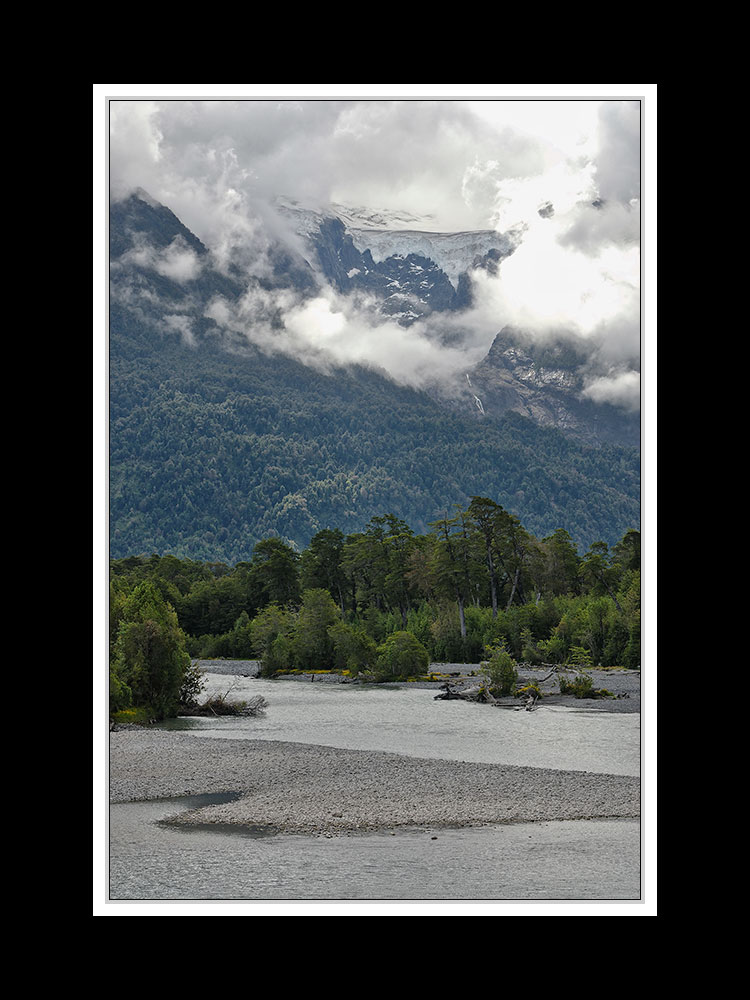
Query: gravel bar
[304, 789]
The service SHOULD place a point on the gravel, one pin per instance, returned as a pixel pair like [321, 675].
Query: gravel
[307, 789]
[300, 788]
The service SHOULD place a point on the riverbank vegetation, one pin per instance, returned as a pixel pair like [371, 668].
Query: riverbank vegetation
[380, 604]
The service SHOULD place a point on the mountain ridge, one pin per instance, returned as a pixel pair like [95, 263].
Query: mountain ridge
[216, 442]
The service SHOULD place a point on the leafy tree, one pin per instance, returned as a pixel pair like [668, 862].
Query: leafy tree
[401, 655]
[120, 694]
[193, 683]
[598, 572]
[484, 515]
[515, 549]
[558, 563]
[212, 605]
[377, 562]
[452, 562]
[627, 552]
[311, 644]
[150, 655]
[631, 656]
[321, 564]
[353, 648]
[272, 631]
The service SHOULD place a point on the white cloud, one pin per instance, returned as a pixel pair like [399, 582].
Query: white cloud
[177, 261]
[332, 330]
[218, 164]
[620, 389]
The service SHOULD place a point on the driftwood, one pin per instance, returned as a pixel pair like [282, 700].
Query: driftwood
[220, 706]
[470, 694]
[449, 694]
[482, 694]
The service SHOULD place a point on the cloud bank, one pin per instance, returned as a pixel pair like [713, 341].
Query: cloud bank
[567, 173]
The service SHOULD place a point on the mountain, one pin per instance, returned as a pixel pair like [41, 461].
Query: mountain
[411, 273]
[543, 382]
[218, 439]
[414, 273]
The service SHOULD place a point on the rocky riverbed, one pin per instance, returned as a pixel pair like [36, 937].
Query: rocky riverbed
[299, 788]
[309, 789]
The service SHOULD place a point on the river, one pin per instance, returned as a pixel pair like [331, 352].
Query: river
[552, 861]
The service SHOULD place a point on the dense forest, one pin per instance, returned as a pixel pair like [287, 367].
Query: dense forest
[212, 452]
[380, 603]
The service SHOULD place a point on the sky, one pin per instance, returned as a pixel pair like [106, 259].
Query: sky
[473, 161]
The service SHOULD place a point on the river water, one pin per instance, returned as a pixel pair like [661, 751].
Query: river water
[553, 861]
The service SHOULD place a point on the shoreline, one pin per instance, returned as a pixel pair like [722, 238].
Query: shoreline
[625, 685]
[297, 788]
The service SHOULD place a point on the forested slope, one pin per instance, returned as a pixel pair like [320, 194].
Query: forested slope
[210, 452]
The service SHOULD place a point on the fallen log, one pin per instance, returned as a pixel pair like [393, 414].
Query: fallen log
[449, 694]
[469, 694]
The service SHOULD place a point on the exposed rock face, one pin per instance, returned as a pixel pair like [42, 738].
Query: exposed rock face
[409, 273]
[545, 383]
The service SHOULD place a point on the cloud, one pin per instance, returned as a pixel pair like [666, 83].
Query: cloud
[330, 331]
[576, 273]
[177, 261]
[566, 172]
[620, 389]
[209, 160]
[174, 323]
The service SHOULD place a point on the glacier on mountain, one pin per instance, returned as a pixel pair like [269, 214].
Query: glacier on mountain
[454, 253]
[389, 234]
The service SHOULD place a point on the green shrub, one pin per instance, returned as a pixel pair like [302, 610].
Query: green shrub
[402, 655]
[500, 672]
[582, 686]
[141, 716]
[580, 656]
[528, 690]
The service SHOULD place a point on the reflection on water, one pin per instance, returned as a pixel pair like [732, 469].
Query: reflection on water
[409, 721]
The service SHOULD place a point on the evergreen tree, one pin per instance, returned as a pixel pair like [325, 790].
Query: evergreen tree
[274, 573]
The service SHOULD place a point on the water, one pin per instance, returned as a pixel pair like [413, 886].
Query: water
[593, 860]
[553, 861]
[408, 720]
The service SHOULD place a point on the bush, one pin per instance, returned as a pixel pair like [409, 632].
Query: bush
[580, 656]
[500, 672]
[402, 655]
[193, 683]
[582, 686]
[149, 654]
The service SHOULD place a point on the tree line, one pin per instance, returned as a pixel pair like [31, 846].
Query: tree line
[382, 603]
